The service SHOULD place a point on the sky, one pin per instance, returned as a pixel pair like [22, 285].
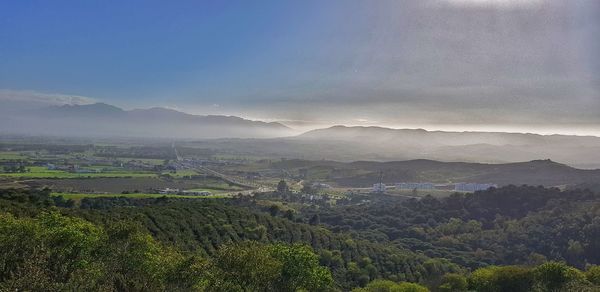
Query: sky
[500, 65]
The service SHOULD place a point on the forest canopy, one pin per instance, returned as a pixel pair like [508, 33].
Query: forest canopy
[446, 244]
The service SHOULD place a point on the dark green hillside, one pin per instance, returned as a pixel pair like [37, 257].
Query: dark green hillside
[365, 173]
[213, 245]
[206, 225]
[510, 225]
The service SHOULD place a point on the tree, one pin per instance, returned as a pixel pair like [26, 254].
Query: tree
[51, 250]
[501, 279]
[575, 251]
[300, 269]
[454, 283]
[314, 220]
[282, 187]
[436, 268]
[251, 266]
[356, 275]
[592, 274]
[289, 214]
[246, 266]
[141, 262]
[554, 276]
[391, 286]
[274, 210]
[60, 253]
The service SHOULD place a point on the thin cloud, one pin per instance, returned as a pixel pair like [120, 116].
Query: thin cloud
[495, 3]
[30, 96]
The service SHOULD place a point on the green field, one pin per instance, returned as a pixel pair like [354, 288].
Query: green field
[182, 173]
[78, 196]
[43, 172]
[6, 155]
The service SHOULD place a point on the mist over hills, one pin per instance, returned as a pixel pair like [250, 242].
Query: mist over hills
[446, 138]
[272, 139]
[104, 120]
[383, 144]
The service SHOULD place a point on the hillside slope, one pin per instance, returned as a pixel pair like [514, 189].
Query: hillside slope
[348, 144]
[365, 173]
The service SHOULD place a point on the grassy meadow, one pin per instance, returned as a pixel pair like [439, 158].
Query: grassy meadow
[44, 172]
[79, 196]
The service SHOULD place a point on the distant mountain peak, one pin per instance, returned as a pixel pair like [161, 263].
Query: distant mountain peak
[94, 109]
[98, 105]
[546, 162]
[102, 119]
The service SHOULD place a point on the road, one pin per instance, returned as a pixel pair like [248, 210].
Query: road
[176, 153]
[253, 187]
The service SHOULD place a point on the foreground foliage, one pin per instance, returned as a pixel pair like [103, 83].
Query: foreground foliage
[390, 286]
[54, 252]
[51, 244]
[57, 253]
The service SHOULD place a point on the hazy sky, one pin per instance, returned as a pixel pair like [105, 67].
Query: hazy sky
[528, 65]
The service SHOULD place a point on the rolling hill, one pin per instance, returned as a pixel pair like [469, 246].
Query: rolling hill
[104, 120]
[348, 144]
[365, 173]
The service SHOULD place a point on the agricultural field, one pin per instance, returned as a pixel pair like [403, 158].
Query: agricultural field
[84, 170]
[181, 173]
[43, 172]
[131, 184]
[9, 155]
[79, 196]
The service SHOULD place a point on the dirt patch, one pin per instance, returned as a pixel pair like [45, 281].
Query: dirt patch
[117, 185]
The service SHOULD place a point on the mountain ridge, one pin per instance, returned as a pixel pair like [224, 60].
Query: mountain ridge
[343, 143]
[105, 120]
[365, 173]
[315, 132]
[153, 110]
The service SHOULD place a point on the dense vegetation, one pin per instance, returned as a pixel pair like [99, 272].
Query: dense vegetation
[510, 225]
[550, 276]
[509, 239]
[204, 225]
[54, 252]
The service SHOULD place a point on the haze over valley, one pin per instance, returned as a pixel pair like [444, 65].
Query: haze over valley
[341, 143]
[287, 146]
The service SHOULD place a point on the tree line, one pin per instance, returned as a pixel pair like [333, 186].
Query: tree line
[466, 242]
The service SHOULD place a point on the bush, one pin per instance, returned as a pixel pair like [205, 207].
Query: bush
[554, 276]
[454, 283]
[593, 275]
[257, 267]
[507, 278]
[390, 286]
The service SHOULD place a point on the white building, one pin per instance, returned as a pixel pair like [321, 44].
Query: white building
[319, 185]
[472, 187]
[415, 186]
[379, 188]
[169, 191]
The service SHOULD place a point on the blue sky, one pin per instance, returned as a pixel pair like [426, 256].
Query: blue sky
[122, 51]
[461, 64]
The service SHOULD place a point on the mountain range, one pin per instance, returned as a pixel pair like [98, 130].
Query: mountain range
[104, 120]
[341, 143]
